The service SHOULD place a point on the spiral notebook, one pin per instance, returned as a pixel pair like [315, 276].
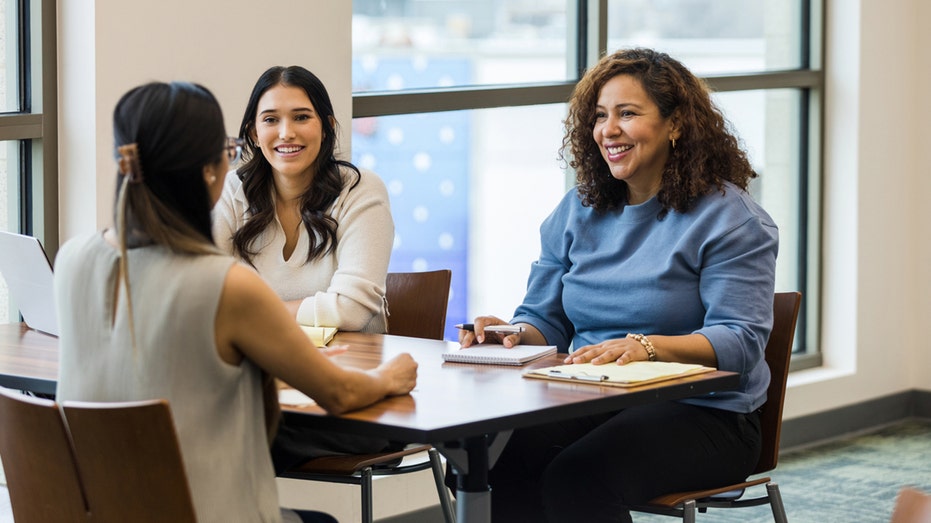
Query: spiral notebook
[495, 354]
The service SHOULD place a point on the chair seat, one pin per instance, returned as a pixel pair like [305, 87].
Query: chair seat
[734, 491]
[353, 463]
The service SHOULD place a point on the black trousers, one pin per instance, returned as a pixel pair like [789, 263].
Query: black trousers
[587, 469]
[293, 445]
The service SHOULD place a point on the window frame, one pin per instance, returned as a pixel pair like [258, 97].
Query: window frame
[35, 125]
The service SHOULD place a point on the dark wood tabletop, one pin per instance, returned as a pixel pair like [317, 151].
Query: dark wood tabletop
[452, 400]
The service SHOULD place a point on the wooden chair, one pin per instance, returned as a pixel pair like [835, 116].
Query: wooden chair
[130, 461]
[912, 506]
[778, 351]
[417, 303]
[41, 473]
[92, 462]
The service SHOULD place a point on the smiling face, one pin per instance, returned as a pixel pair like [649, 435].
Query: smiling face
[289, 132]
[633, 137]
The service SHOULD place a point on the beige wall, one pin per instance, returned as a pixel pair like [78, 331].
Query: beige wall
[108, 46]
[876, 222]
[877, 233]
[921, 204]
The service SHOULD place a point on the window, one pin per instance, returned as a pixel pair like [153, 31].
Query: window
[458, 106]
[28, 165]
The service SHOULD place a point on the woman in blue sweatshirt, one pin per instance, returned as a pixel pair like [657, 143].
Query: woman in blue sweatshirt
[659, 253]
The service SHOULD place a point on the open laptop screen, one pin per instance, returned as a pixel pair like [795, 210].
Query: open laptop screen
[28, 274]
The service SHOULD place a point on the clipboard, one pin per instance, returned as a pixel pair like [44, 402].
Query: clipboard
[633, 374]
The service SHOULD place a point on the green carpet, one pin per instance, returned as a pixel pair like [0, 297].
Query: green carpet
[852, 480]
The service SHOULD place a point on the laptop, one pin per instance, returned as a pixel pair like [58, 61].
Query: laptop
[28, 274]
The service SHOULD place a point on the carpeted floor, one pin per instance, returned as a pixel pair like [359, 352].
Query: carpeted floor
[852, 480]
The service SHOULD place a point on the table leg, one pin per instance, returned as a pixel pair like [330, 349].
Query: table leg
[471, 458]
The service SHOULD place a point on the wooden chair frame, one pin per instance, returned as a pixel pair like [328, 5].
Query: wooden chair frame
[778, 352]
[92, 462]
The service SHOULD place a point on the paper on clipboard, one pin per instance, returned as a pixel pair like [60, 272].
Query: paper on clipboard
[629, 375]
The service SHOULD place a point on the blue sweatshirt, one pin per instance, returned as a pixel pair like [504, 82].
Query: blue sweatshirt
[709, 271]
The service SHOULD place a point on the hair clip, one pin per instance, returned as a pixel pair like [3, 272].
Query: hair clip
[129, 162]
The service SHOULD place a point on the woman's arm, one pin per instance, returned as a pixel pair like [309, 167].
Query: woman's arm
[366, 235]
[252, 322]
[688, 348]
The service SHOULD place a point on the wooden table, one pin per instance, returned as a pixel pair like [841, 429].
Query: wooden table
[466, 411]
[28, 359]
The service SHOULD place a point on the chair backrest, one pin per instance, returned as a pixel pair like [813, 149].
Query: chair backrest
[130, 461]
[911, 506]
[42, 478]
[417, 303]
[778, 353]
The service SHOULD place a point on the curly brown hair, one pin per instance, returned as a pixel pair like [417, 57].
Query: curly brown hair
[706, 154]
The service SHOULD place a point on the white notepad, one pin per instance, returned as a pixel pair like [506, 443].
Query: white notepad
[496, 354]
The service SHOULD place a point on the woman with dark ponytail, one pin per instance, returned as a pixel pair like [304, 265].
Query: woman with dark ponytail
[151, 308]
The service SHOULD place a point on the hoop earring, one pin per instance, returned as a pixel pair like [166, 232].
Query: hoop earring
[673, 140]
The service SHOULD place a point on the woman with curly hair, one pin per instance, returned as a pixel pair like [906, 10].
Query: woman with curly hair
[659, 253]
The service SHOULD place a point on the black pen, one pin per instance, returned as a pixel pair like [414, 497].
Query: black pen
[582, 377]
[510, 329]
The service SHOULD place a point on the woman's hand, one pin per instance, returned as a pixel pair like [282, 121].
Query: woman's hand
[620, 350]
[478, 334]
[400, 373]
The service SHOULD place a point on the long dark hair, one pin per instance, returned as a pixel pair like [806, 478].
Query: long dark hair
[256, 172]
[706, 154]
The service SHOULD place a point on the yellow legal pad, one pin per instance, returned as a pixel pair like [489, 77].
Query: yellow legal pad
[319, 335]
[614, 375]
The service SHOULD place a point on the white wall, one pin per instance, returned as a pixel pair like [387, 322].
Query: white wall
[877, 185]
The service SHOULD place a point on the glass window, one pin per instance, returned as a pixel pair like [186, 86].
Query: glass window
[768, 122]
[9, 56]
[459, 183]
[712, 36]
[10, 190]
[430, 44]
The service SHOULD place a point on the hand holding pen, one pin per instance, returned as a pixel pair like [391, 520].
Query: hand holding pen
[489, 329]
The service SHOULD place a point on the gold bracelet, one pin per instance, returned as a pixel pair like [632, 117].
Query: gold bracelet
[647, 344]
